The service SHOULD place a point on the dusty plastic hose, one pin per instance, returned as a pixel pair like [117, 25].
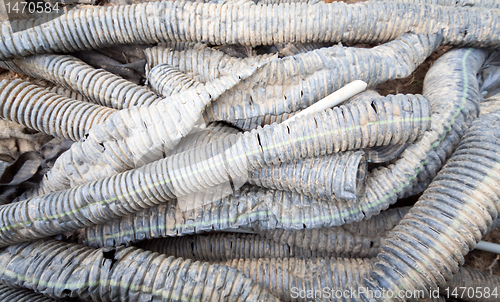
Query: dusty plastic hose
[259, 121]
[334, 130]
[146, 23]
[63, 270]
[21, 295]
[44, 111]
[479, 281]
[293, 83]
[452, 111]
[166, 80]
[428, 245]
[358, 239]
[226, 246]
[98, 85]
[251, 208]
[462, 3]
[338, 176]
[132, 137]
[395, 121]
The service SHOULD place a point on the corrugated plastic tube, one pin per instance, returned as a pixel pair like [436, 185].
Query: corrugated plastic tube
[226, 246]
[463, 3]
[337, 176]
[453, 110]
[259, 210]
[425, 249]
[470, 278]
[63, 270]
[41, 110]
[133, 137]
[98, 85]
[21, 295]
[100, 27]
[334, 130]
[286, 85]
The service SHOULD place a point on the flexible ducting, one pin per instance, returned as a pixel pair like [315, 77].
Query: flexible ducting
[463, 3]
[472, 285]
[166, 80]
[132, 137]
[98, 85]
[343, 128]
[397, 120]
[44, 111]
[8, 294]
[88, 28]
[63, 270]
[289, 84]
[455, 211]
[453, 109]
[250, 208]
[330, 177]
[359, 239]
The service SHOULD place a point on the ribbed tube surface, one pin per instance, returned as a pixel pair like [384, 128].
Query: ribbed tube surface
[290, 84]
[453, 109]
[100, 27]
[65, 270]
[98, 85]
[166, 80]
[286, 278]
[470, 278]
[358, 239]
[133, 137]
[339, 129]
[455, 211]
[337, 176]
[9, 294]
[44, 111]
[226, 246]
[463, 3]
[250, 208]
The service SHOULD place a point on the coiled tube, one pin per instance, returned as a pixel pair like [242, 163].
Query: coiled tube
[452, 111]
[226, 246]
[252, 208]
[68, 93]
[201, 63]
[63, 270]
[289, 84]
[146, 23]
[166, 80]
[471, 278]
[403, 119]
[338, 176]
[286, 278]
[455, 211]
[44, 111]
[133, 137]
[21, 295]
[99, 86]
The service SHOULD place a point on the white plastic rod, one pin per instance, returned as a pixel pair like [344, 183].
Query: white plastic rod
[488, 247]
[332, 100]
